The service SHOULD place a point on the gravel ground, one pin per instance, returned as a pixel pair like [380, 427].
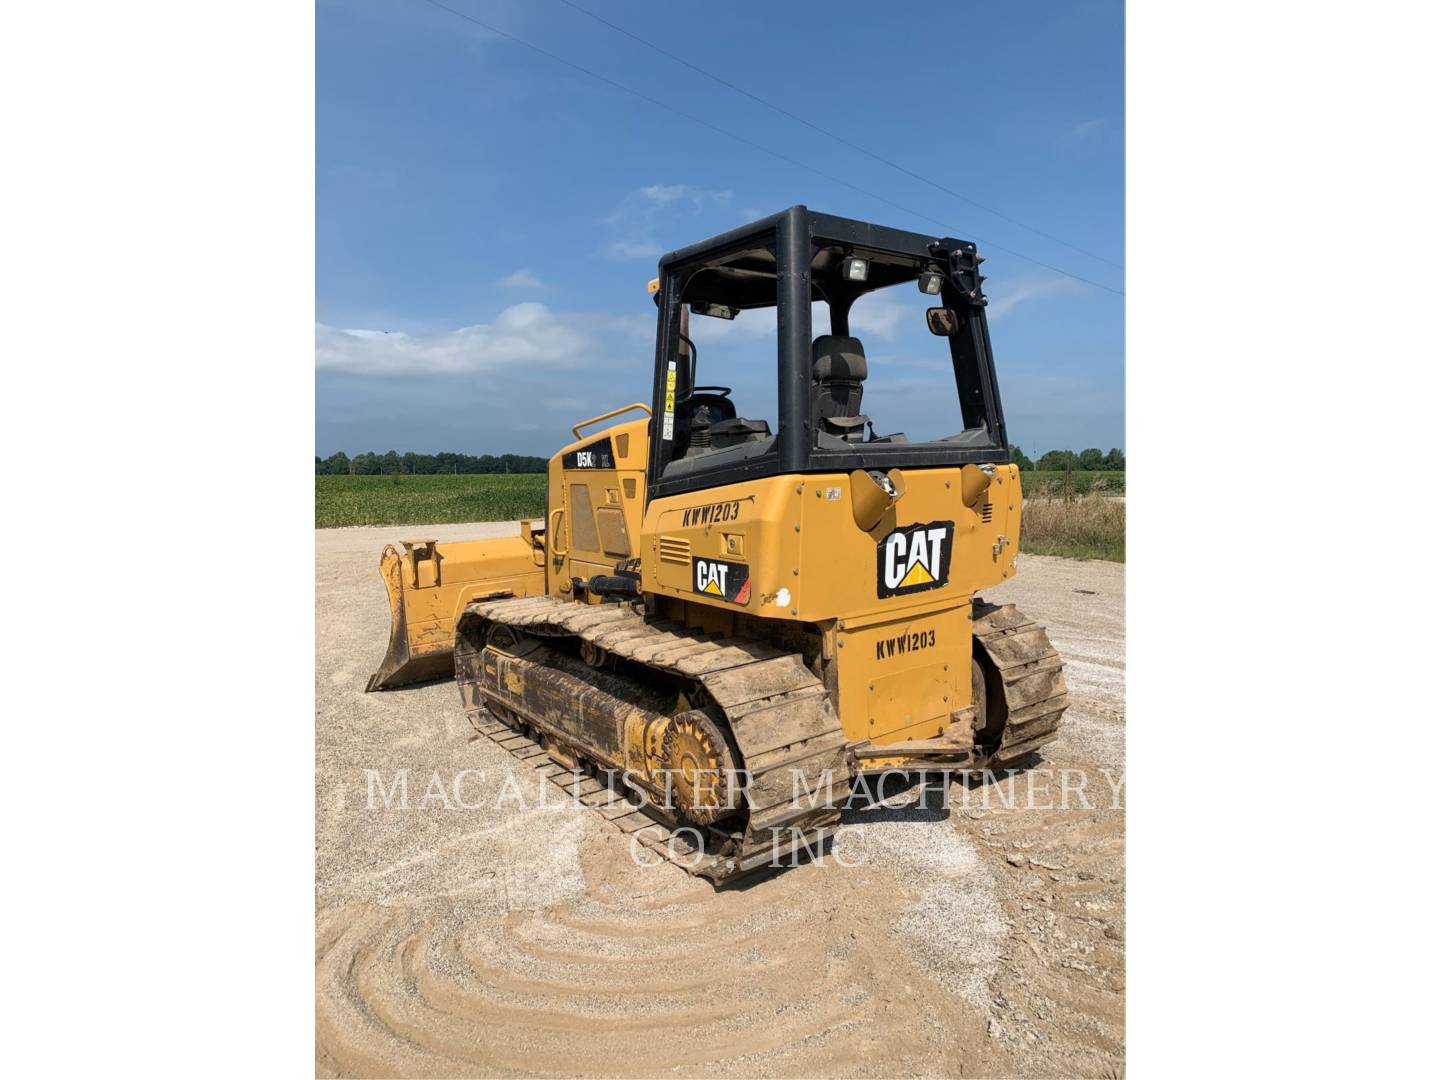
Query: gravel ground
[474, 931]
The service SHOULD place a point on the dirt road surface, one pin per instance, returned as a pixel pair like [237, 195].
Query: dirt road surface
[467, 929]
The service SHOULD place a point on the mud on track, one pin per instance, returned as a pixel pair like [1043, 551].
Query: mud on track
[522, 940]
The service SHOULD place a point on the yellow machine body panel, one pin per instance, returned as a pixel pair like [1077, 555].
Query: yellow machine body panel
[892, 601]
[596, 494]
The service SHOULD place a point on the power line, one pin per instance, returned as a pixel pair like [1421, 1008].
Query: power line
[840, 138]
[750, 142]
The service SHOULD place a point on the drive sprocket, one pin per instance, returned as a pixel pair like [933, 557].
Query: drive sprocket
[700, 767]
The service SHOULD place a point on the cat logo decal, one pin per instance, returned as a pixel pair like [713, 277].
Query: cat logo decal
[722, 580]
[914, 558]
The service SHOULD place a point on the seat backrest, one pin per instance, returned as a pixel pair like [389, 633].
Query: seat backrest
[838, 371]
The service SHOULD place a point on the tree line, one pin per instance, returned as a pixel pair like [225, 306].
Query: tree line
[412, 464]
[1090, 460]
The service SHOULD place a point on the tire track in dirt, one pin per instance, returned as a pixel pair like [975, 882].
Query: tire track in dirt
[646, 972]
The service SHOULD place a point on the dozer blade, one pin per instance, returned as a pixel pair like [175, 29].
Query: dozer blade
[428, 584]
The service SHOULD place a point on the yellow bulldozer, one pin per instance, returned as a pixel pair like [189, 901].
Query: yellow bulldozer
[740, 622]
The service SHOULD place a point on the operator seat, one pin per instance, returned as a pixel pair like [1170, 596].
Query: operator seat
[707, 421]
[837, 379]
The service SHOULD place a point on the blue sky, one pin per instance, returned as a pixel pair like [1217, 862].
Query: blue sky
[486, 218]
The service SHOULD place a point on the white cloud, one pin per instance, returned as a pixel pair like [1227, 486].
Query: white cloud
[699, 198]
[663, 193]
[639, 325]
[1034, 395]
[521, 279]
[525, 336]
[878, 315]
[1023, 290]
[881, 315]
[633, 249]
[1083, 131]
[874, 316]
[646, 213]
[757, 325]
[567, 404]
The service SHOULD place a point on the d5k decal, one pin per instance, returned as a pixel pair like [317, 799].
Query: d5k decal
[598, 455]
[914, 558]
[725, 580]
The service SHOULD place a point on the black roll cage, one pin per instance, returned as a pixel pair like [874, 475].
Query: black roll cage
[793, 238]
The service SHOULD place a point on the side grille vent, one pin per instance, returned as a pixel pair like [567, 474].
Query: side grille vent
[675, 549]
[986, 512]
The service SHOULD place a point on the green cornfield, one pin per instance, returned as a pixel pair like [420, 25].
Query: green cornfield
[427, 500]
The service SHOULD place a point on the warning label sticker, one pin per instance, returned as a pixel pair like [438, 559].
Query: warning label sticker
[667, 427]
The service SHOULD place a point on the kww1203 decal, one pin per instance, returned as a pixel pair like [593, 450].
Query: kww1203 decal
[914, 558]
[722, 580]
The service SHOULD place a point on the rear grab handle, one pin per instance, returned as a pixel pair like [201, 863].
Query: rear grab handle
[610, 414]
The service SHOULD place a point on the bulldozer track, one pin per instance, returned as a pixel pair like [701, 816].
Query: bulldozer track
[793, 749]
[795, 755]
[1031, 677]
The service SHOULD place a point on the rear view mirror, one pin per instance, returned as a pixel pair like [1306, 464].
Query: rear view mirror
[943, 321]
[715, 311]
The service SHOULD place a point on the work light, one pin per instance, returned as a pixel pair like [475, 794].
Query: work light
[930, 283]
[853, 269]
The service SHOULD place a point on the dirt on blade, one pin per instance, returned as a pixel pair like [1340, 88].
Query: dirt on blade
[485, 928]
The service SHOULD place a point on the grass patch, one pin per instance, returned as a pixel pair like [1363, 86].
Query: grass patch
[1052, 482]
[426, 500]
[1088, 527]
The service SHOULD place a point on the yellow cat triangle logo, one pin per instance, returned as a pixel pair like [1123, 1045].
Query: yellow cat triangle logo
[713, 588]
[918, 575]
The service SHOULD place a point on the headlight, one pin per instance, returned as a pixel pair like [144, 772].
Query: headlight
[853, 269]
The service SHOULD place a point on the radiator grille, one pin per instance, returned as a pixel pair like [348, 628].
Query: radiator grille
[675, 549]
